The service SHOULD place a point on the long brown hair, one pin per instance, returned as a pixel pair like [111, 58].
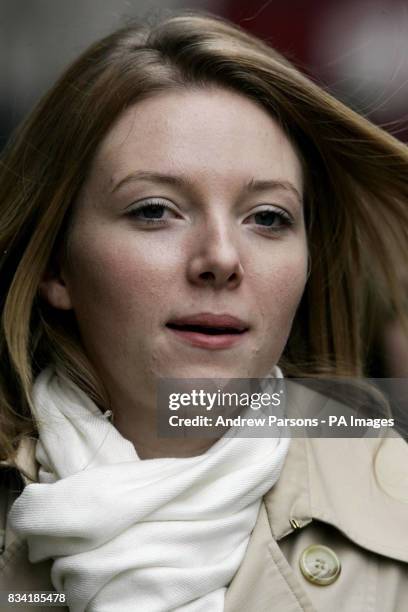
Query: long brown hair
[356, 196]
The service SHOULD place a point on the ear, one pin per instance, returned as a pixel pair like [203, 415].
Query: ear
[54, 289]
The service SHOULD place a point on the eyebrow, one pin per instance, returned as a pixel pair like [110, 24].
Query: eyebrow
[252, 186]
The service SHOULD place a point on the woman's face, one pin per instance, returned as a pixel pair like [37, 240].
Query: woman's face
[192, 208]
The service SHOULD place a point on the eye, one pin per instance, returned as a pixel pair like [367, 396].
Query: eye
[271, 219]
[152, 211]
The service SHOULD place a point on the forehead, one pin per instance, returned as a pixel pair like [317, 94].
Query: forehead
[202, 133]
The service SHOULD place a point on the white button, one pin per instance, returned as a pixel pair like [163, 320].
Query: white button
[320, 564]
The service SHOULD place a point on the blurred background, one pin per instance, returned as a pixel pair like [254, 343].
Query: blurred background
[358, 49]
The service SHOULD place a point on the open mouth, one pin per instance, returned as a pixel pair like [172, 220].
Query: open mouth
[203, 329]
[208, 336]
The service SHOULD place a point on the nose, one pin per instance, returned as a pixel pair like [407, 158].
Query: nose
[215, 260]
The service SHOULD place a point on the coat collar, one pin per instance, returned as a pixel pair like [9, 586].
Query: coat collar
[24, 461]
[357, 485]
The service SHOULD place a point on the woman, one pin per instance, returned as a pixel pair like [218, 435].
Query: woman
[185, 204]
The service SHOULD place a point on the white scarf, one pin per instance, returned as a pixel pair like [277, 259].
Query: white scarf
[129, 534]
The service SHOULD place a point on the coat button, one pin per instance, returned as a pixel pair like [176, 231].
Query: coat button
[320, 564]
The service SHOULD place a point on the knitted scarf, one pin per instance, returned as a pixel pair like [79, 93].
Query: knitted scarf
[129, 534]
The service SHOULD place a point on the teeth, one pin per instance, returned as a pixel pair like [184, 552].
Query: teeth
[216, 330]
[202, 329]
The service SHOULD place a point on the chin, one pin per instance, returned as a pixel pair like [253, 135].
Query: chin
[211, 371]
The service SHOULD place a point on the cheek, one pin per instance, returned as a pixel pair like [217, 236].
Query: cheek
[119, 277]
[281, 286]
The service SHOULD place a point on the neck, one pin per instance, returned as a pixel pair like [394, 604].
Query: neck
[138, 424]
[142, 432]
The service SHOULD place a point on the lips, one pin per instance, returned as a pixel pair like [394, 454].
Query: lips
[207, 330]
[208, 323]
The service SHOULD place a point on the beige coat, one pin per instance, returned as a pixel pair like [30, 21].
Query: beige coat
[328, 494]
